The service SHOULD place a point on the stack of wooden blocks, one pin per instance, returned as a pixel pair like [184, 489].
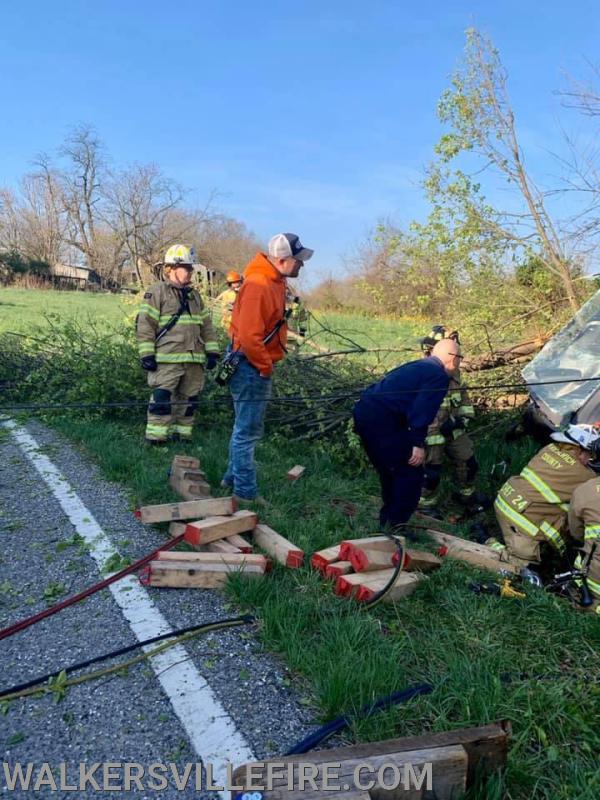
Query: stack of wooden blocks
[213, 526]
[362, 567]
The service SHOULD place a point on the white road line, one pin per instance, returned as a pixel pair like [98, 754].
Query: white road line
[211, 730]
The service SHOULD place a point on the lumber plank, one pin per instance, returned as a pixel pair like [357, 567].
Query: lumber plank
[418, 561]
[207, 558]
[295, 472]
[176, 528]
[478, 555]
[338, 568]
[321, 558]
[190, 509]
[203, 531]
[238, 541]
[486, 746]
[448, 773]
[183, 575]
[372, 542]
[221, 546]
[277, 546]
[405, 583]
[363, 559]
[347, 585]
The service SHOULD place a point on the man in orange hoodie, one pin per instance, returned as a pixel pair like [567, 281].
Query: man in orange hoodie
[259, 336]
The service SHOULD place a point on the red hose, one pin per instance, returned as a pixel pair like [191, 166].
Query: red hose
[97, 587]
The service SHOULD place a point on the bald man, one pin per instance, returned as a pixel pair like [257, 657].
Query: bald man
[392, 416]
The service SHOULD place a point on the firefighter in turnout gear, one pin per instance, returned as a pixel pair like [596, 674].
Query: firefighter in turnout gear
[297, 314]
[176, 342]
[225, 301]
[447, 436]
[584, 527]
[532, 508]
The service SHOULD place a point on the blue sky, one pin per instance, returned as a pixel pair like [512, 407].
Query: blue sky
[314, 117]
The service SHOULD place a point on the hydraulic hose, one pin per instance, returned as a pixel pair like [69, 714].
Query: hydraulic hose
[245, 619]
[337, 724]
[378, 596]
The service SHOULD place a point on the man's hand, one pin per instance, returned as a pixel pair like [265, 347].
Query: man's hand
[212, 359]
[418, 457]
[149, 363]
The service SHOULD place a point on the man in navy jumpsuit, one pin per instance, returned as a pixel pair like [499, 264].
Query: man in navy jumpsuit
[392, 416]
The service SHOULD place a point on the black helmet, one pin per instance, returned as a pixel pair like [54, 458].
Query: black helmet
[435, 335]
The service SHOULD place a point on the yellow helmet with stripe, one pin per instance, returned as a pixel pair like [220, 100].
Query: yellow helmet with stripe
[180, 254]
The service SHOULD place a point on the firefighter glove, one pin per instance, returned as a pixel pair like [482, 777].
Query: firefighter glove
[212, 359]
[447, 427]
[149, 363]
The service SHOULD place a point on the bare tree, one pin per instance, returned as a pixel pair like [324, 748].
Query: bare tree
[139, 202]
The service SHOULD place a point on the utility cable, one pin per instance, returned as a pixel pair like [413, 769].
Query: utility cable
[288, 399]
[121, 651]
[15, 693]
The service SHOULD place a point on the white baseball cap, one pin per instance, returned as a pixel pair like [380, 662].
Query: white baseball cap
[288, 245]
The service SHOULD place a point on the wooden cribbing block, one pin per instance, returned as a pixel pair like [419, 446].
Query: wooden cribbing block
[418, 561]
[176, 528]
[486, 747]
[190, 490]
[192, 509]
[405, 583]
[448, 767]
[322, 558]
[186, 575]
[214, 558]
[338, 568]
[295, 472]
[203, 531]
[277, 546]
[221, 546]
[365, 560]
[238, 541]
[372, 542]
[347, 585]
[184, 462]
[478, 555]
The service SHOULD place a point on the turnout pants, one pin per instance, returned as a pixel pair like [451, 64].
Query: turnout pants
[388, 447]
[174, 399]
[461, 455]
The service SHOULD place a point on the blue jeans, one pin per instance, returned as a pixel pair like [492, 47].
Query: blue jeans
[250, 394]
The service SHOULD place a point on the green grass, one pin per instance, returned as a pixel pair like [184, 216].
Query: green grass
[337, 331]
[21, 310]
[533, 662]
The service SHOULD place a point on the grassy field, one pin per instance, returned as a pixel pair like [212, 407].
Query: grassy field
[23, 309]
[533, 662]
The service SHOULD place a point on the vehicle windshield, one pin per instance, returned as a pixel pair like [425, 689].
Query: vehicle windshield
[571, 355]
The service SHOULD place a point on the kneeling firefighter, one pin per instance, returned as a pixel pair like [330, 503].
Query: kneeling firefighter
[532, 508]
[584, 527]
[447, 436]
[226, 300]
[176, 341]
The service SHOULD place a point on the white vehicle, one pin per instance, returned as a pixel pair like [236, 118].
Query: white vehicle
[563, 380]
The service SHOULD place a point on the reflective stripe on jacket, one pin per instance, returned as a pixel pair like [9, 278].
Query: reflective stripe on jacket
[188, 340]
[536, 501]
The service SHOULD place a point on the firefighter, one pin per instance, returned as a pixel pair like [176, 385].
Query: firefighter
[584, 527]
[176, 341]
[297, 314]
[532, 508]
[447, 436]
[227, 298]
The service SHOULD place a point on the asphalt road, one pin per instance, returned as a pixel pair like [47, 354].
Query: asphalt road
[136, 717]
